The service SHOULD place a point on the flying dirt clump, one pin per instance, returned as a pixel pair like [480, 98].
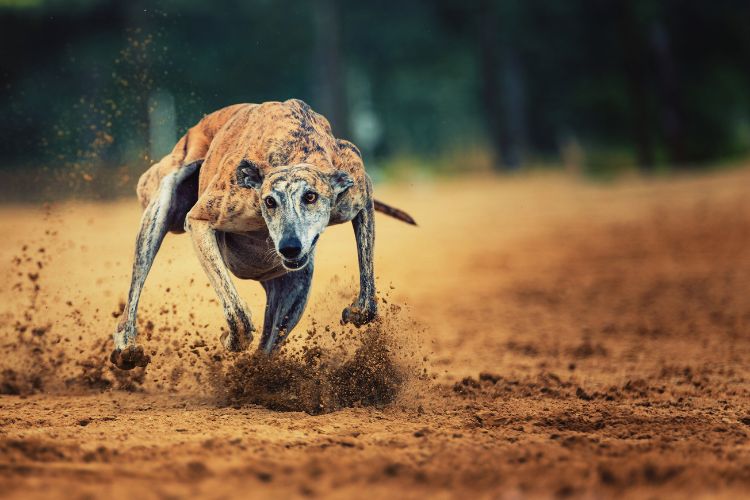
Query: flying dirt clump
[318, 380]
[97, 373]
[51, 343]
[35, 346]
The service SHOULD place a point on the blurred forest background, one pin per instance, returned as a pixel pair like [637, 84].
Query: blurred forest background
[91, 91]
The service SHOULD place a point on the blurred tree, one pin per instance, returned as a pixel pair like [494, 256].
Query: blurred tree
[649, 81]
[501, 80]
[490, 81]
[669, 93]
[636, 69]
[331, 96]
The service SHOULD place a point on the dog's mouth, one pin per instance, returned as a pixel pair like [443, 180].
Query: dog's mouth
[295, 264]
[299, 262]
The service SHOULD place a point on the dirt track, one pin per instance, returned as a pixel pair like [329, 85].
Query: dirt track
[554, 338]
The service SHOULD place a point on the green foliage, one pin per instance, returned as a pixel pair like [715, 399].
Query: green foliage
[616, 76]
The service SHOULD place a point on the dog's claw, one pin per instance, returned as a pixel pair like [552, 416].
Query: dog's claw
[358, 316]
[129, 358]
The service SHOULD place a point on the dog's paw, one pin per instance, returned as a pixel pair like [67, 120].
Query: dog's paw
[236, 342]
[358, 316]
[129, 358]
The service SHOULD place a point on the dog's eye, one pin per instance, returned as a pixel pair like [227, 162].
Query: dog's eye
[270, 202]
[310, 197]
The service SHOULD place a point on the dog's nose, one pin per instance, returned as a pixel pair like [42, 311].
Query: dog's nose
[290, 248]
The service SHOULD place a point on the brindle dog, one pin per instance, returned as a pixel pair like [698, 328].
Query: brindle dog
[255, 185]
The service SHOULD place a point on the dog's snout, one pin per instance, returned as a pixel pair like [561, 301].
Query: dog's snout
[290, 247]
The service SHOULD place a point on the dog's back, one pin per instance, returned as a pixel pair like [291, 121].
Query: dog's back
[273, 133]
[192, 146]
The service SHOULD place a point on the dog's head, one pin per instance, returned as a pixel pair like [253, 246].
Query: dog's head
[296, 202]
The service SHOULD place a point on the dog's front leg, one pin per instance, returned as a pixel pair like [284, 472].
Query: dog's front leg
[238, 318]
[365, 308]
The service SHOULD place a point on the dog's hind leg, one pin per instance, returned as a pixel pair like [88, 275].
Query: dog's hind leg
[286, 297]
[164, 212]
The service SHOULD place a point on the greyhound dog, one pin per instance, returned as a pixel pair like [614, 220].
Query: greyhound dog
[255, 185]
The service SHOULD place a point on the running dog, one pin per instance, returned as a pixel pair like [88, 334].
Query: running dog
[255, 185]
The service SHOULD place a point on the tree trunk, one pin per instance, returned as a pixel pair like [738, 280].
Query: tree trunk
[669, 93]
[636, 76]
[502, 99]
[489, 80]
[329, 73]
[513, 132]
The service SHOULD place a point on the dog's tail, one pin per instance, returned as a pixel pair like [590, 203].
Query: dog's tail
[394, 212]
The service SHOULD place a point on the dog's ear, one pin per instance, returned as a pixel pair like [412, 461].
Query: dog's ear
[249, 174]
[341, 181]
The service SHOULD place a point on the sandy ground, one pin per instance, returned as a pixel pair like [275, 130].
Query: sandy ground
[550, 337]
